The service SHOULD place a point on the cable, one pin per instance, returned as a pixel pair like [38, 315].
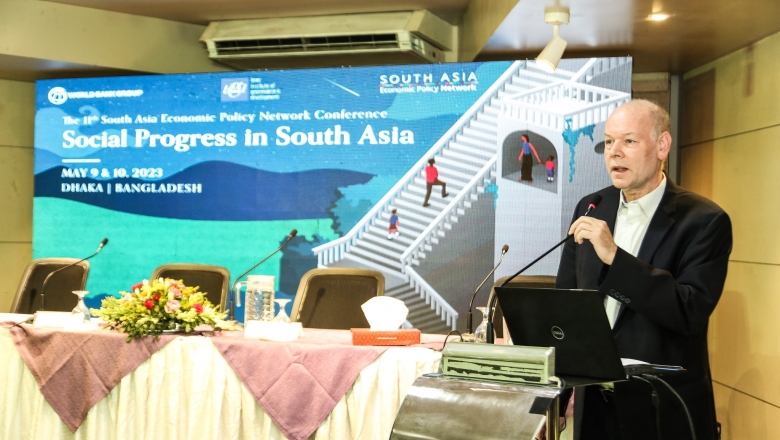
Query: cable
[29, 320]
[448, 336]
[685, 407]
[656, 404]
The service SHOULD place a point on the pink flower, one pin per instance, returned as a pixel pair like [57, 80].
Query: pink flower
[198, 308]
[149, 304]
[127, 297]
[175, 291]
[172, 306]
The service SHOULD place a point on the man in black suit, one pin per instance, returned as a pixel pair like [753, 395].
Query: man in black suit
[659, 254]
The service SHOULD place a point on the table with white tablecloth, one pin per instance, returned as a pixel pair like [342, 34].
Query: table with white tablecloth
[187, 390]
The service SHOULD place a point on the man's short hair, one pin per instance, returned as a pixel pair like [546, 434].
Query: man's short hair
[660, 117]
[431, 161]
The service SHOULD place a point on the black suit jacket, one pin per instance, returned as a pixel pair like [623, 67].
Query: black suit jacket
[667, 294]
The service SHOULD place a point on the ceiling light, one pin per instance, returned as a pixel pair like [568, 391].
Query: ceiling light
[550, 56]
[658, 16]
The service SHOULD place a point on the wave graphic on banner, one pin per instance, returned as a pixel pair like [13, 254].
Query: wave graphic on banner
[220, 190]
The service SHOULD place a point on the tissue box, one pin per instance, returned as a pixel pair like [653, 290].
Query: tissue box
[406, 336]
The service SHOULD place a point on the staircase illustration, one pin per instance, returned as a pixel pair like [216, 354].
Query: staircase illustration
[466, 159]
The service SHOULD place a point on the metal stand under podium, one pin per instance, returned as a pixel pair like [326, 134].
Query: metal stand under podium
[439, 407]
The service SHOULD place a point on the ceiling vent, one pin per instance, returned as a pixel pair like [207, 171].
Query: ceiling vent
[331, 40]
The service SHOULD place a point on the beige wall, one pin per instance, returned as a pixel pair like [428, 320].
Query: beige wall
[17, 111]
[730, 153]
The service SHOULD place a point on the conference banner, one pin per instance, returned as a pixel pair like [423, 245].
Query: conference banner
[219, 168]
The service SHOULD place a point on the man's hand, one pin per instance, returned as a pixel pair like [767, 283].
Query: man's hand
[597, 232]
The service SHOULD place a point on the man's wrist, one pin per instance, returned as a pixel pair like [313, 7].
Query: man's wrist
[611, 256]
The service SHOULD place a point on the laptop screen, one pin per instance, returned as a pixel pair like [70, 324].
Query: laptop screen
[573, 321]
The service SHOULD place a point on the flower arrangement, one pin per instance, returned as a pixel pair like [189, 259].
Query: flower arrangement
[162, 304]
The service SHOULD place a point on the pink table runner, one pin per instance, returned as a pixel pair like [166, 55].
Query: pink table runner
[71, 368]
[298, 384]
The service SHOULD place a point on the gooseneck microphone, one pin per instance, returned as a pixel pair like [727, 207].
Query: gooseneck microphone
[235, 297]
[45, 280]
[471, 304]
[594, 202]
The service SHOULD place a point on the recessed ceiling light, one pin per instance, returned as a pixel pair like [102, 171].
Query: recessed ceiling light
[659, 16]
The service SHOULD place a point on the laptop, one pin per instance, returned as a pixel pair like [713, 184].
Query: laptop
[575, 323]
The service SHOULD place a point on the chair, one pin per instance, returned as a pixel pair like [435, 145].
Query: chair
[212, 280]
[331, 298]
[59, 288]
[540, 281]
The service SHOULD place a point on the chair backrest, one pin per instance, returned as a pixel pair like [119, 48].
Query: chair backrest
[543, 281]
[211, 280]
[59, 289]
[331, 297]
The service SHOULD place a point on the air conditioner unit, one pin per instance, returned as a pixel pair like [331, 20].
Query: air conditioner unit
[331, 40]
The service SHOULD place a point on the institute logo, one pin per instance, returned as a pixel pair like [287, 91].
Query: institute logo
[58, 95]
[235, 89]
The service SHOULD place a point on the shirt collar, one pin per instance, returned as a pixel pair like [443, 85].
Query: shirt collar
[648, 202]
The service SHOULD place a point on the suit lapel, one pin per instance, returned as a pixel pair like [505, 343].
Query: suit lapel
[656, 231]
[660, 223]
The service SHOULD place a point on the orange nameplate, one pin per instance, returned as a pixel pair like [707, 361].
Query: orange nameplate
[406, 336]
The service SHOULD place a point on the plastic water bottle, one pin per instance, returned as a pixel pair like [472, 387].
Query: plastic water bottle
[259, 304]
[267, 297]
[253, 304]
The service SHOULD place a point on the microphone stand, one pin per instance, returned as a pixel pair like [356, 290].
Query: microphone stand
[469, 334]
[489, 338]
[235, 297]
[46, 280]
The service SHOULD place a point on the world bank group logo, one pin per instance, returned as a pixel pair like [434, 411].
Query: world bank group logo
[58, 95]
[235, 89]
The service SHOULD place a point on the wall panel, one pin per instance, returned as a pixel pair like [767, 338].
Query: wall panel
[696, 169]
[748, 88]
[743, 417]
[746, 184]
[698, 108]
[13, 259]
[743, 332]
[17, 110]
[16, 187]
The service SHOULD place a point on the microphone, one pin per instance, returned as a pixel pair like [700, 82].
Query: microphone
[235, 297]
[594, 202]
[45, 280]
[471, 304]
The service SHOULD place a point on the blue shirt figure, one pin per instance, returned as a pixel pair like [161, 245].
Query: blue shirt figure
[392, 230]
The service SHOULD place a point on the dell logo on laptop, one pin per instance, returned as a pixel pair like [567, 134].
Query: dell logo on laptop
[557, 332]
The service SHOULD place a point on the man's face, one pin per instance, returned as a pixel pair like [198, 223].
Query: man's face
[632, 156]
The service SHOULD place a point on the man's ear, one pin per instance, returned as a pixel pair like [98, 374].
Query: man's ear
[664, 145]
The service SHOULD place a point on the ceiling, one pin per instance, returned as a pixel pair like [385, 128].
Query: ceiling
[698, 31]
